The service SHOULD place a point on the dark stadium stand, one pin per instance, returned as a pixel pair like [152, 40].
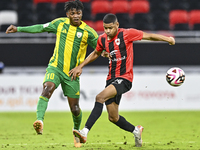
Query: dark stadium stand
[174, 15]
[59, 10]
[7, 5]
[44, 12]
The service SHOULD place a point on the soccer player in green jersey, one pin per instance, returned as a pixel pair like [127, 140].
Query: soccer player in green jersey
[72, 39]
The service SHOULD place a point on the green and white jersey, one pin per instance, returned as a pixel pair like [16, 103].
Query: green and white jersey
[71, 42]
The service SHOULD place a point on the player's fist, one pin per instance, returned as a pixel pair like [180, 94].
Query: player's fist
[106, 54]
[11, 29]
[172, 41]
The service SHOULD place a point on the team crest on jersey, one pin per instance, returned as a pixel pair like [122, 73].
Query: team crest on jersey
[79, 34]
[117, 41]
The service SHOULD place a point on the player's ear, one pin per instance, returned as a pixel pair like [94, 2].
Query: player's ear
[67, 14]
[117, 23]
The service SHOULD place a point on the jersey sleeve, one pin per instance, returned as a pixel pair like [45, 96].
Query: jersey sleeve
[92, 39]
[50, 27]
[134, 34]
[99, 46]
[39, 28]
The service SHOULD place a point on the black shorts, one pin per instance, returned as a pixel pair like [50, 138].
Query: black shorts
[122, 86]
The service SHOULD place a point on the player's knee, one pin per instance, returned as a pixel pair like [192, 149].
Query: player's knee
[100, 99]
[75, 110]
[47, 91]
[113, 119]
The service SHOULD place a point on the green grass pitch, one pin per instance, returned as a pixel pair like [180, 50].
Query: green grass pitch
[163, 130]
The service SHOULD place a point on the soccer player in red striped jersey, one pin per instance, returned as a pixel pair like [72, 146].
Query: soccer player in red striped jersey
[118, 46]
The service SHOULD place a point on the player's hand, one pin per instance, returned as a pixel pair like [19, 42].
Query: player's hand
[75, 72]
[11, 29]
[172, 41]
[106, 54]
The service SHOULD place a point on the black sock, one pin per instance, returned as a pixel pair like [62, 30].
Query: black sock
[123, 124]
[95, 114]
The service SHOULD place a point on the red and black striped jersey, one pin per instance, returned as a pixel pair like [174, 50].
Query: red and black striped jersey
[121, 49]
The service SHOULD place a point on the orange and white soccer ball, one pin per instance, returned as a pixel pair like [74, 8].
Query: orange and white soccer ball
[175, 76]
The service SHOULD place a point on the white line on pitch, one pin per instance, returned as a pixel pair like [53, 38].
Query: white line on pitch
[90, 143]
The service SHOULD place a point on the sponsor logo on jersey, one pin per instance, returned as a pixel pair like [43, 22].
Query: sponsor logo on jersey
[79, 34]
[116, 59]
[119, 59]
[113, 52]
[45, 25]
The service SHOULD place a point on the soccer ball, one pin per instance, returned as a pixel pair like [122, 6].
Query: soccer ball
[175, 76]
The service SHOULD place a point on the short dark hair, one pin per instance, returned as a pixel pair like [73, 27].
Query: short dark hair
[77, 4]
[110, 18]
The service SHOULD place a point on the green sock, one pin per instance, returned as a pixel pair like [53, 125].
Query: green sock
[77, 120]
[41, 107]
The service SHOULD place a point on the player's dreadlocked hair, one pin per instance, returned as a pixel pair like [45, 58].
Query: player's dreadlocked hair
[78, 5]
[110, 18]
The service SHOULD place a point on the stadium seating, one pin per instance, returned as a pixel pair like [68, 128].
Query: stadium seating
[122, 13]
[194, 17]
[86, 1]
[87, 11]
[90, 23]
[181, 27]
[44, 12]
[121, 6]
[59, 10]
[156, 7]
[99, 26]
[196, 26]
[42, 1]
[24, 5]
[142, 21]
[124, 20]
[7, 17]
[99, 9]
[7, 5]
[194, 4]
[26, 18]
[179, 4]
[178, 17]
[161, 26]
[139, 6]
[165, 15]
[161, 21]
[58, 1]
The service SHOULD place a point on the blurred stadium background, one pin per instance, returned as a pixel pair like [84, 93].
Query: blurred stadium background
[25, 56]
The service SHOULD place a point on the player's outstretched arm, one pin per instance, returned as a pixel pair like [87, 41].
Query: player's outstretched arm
[73, 73]
[11, 29]
[158, 37]
[38, 28]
